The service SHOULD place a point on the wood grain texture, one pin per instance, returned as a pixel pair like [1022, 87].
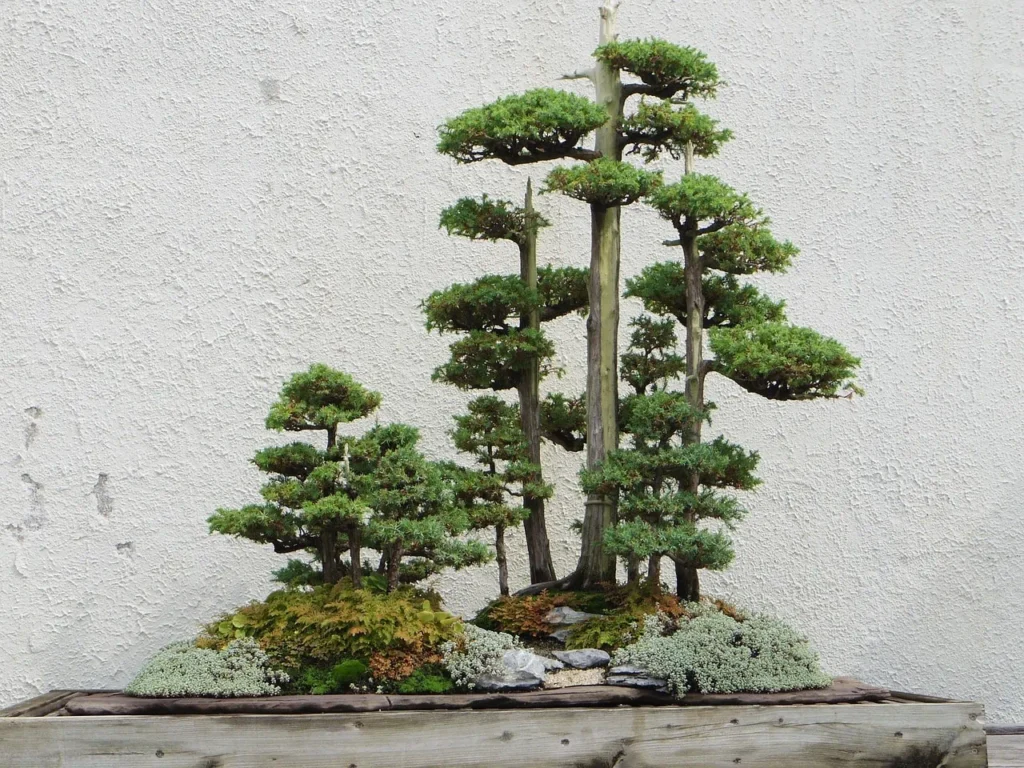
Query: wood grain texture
[843, 690]
[1006, 751]
[42, 705]
[815, 736]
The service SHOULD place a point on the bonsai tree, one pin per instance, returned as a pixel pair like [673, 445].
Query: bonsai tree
[306, 505]
[547, 124]
[659, 512]
[416, 517]
[375, 491]
[492, 435]
[504, 347]
[751, 341]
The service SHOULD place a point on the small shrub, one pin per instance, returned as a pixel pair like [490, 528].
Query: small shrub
[479, 652]
[524, 616]
[397, 664]
[182, 669]
[714, 653]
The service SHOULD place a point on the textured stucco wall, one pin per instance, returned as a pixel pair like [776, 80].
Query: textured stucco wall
[199, 197]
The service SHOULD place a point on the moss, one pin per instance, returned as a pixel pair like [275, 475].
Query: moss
[427, 679]
[326, 625]
[337, 679]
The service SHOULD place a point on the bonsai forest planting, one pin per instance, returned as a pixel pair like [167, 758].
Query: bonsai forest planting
[366, 516]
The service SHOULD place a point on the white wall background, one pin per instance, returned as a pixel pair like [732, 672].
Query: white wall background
[198, 198]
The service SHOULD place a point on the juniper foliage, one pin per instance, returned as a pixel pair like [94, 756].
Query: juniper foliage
[374, 491]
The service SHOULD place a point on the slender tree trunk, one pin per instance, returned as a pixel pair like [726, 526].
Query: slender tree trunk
[632, 569]
[654, 570]
[687, 578]
[542, 569]
[355, 555]
[502, 558]
[329, 537]
[596, 565]
[394, 566]
[329, 556]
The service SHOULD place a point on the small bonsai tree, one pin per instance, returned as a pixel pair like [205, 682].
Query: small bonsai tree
[492, 435]
[416, 519]
[375, 491]
[659, 513]
[504, 346]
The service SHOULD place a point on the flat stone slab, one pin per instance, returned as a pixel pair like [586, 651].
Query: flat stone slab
[584, 658]
[843, 690]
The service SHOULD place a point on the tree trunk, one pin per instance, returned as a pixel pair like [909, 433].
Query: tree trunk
[502, 558]
[329, 556]
[542, 569]
[394, 566]
[632, 570]
[687, 583]
[596, 565]
[687, 579]
[355, 555]
[654, 570]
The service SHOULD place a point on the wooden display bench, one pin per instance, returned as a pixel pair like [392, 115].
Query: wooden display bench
[850, 724]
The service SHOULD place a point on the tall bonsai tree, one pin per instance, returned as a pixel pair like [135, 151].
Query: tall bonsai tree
[373, 491]
[504, 347]
[546, 124]
[723, 236]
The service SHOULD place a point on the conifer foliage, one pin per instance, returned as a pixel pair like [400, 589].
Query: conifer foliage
[664, 494]
[502, 346]
[375, 491]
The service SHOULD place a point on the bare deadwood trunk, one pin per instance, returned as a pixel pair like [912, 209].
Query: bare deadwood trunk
[687, 578]
[501, 556]
[535, 527]
[597, 566]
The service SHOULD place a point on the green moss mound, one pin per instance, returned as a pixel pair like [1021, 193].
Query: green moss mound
[392, 634]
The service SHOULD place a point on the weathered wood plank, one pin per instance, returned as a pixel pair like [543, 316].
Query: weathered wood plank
[844, 690]
[813, 736]
[1006, 751]
[41, 705]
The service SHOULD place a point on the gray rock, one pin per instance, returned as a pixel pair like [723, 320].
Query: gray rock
[561, 635]
[524, 670]
[522, 660]
[627, 669]
[551, 664]
[563, 615]
[638, 682]
[513, 681]
[584, 658]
